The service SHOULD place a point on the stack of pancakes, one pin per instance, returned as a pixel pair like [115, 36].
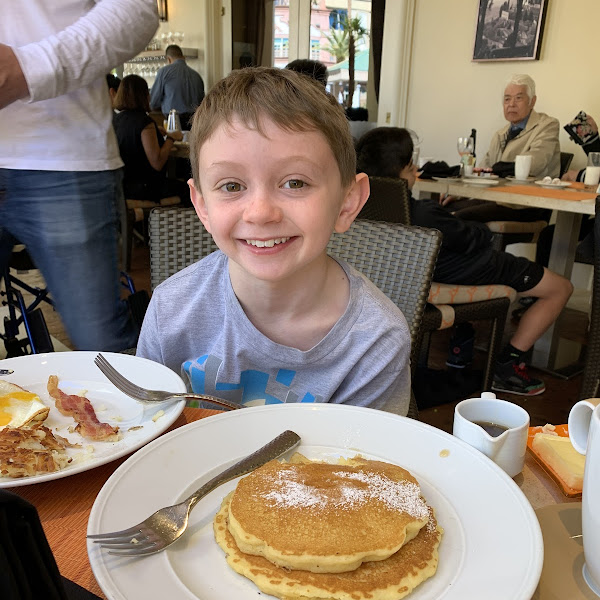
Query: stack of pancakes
[309, 530]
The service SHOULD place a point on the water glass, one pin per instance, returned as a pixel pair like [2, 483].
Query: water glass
[592, 171]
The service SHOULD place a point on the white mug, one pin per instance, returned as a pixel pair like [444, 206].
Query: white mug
[522, 166]
[506, 445]
[584, 431]
[592, 176]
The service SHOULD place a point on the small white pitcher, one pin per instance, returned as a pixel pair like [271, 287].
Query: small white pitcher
[507, 450]
[584, 431]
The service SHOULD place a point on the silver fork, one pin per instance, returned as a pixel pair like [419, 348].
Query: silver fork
[168, 524]
[144, 395]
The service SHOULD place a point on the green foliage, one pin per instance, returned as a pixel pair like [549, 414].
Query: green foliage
[338, 44]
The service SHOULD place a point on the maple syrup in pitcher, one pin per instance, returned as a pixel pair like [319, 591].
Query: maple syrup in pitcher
[492, 429]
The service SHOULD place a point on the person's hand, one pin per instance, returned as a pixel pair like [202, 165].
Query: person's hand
[175, 135]
[162, 130]
[570, 175]
[446, 199]
[13, 85]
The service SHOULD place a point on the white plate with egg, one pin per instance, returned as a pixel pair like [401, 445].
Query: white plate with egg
[490, 526]
[138, 423]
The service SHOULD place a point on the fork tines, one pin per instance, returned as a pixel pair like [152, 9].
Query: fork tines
[118, 380]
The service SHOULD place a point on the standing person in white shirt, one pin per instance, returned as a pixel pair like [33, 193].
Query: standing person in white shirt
[60, 169]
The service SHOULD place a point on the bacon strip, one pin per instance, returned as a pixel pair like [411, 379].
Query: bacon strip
[80, 408]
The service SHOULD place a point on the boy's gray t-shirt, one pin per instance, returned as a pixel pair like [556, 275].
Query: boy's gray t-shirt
[196, 326]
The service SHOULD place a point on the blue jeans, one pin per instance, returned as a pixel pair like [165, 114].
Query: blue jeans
[67, 220]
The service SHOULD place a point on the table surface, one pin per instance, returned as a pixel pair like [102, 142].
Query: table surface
[574, 199]
[64, 506]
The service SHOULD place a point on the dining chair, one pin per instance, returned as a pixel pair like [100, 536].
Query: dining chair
[591, 372]
[447, 304]
[136, 211]
[398, 259]
[565, 162]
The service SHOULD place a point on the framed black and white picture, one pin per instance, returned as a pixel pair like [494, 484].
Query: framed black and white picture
[509, 29]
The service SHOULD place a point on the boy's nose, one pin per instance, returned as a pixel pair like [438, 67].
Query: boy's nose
[262, 209]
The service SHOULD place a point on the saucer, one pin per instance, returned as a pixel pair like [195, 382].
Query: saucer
[562, 184]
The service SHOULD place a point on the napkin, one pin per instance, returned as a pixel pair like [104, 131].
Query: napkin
[504, 169]
[438, 169]
[28, 570]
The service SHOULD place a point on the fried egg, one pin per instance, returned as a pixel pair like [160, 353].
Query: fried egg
[18, 407]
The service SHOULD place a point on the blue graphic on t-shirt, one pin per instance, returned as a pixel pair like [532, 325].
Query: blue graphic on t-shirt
[253, 385]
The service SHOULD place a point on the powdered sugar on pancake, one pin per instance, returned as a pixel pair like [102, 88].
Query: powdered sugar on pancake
[287, 491]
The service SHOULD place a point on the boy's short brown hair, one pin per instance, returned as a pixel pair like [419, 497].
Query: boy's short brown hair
[292, 101]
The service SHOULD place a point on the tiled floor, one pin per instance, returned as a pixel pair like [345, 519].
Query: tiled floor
[551, 407]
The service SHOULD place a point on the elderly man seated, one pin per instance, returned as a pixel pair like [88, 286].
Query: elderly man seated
[527, 132]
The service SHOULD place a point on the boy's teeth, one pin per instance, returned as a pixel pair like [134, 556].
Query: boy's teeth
[267, 243]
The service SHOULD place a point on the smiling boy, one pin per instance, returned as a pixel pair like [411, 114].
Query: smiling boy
[271, 318]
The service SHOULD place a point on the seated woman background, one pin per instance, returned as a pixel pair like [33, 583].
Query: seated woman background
[143, 148]
[467, 258]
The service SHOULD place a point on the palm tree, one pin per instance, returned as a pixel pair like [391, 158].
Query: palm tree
[356, 32]
[338, 44]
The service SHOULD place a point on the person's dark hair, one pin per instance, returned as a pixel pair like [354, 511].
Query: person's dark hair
[113, 81]
[313, 68]
[174, 51]
[384, 152]
[133, 94]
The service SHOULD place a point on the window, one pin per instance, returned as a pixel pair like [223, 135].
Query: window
[281, 47]
[336, 18]
[315, 49]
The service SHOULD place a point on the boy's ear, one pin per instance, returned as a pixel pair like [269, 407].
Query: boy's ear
[198, 201]
[356, 196]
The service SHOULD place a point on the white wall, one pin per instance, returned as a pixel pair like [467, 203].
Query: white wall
[449, 94]
[188, 16]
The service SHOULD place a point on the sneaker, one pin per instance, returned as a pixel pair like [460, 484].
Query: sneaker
[513, 377]
[460, 352]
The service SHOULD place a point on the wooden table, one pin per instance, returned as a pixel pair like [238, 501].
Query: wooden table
[179, 150]
[64, 506]
[569, 203]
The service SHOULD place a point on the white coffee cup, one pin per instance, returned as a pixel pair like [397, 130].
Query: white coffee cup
[592, 176]
[584, 431]
[507, 447]
[522, 166]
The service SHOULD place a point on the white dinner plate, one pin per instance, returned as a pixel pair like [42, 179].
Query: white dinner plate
[479, 177]
[78, 374]
[480, 181]
[492, 546]
[562, 184]
[515, 180]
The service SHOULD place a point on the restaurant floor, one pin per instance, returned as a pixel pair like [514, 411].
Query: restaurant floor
[550, 407]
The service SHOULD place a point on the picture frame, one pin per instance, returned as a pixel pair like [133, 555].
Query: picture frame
[509, 30]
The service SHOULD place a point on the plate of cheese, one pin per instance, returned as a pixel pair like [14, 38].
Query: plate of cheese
[59, 415]
[488, 525]
[551, 447]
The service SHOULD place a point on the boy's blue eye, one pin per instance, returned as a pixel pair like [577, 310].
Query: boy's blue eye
[294, 184]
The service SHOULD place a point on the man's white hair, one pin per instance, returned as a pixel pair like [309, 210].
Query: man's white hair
[521, 79]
